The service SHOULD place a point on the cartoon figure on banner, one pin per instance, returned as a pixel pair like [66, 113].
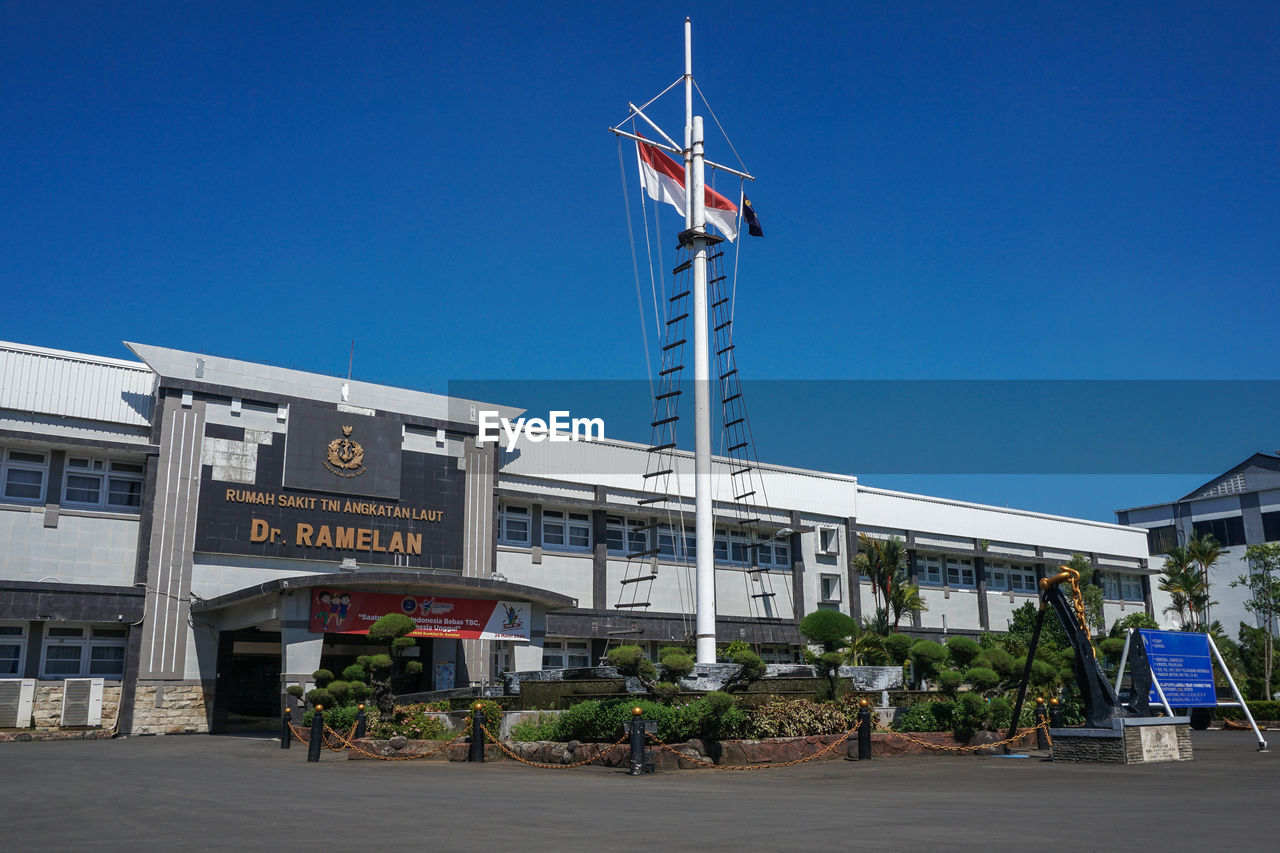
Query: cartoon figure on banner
[513, 617]
[344, 604]
[322, 609]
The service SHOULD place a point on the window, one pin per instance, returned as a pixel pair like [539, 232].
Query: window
[830, 587]
[562, 654]
[24, 474]
[1010, 577]
[79, 650]
[566, 531]
[113, 484]
[828, 540]
[626, 535]
[1228, 531]
[1271, 526]
[1162, 540]
[1121, 587]
[13, 648]
[960, 572]
[513, 525]
[929, 569]
[778, 654]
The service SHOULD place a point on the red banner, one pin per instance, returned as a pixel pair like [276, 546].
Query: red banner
[339, 611]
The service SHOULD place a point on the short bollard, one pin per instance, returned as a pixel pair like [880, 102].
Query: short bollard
[637, 742]
[1042, 737]
[1055, 714]
[361, 726]
[317, 735]
[286, 733]
[864, 730]
[477, 733]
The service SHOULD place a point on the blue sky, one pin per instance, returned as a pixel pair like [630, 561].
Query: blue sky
[949, 191]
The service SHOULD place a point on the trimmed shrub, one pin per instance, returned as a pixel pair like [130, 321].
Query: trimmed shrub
[320, 696]
[827, 628]
[928, 657]
[1000, 714]
[1111, 648]
[982, 679]
[899, 647]
[962, 651]
[630, 661]
[375, 663]
[341, 719]
[355, 672]
[541, 727]
[753, 668]
[666, 691]
[340, 691]
[390, 627]
[1004, 664]
[968, 715]
[718, 702]
[949, 681]
[322, 677]
[676, 664]
[924, 717]
[359, 691]
[294, 690]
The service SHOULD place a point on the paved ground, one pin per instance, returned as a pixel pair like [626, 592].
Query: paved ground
[222, 793]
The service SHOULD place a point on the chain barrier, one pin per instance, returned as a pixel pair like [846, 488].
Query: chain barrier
[735, 767]
[502, 746]
[336, 741]
[972, 748]
[303, 735]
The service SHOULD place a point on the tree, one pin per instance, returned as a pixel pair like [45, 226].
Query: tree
[1205, 552]
[904, 598]
[1185, 586]
[1091, 593]
[881, 560]
[866, 645]
[1263, 583]
[388, 672]
[830, 629]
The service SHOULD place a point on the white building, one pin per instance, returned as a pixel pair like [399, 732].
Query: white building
[176, 534]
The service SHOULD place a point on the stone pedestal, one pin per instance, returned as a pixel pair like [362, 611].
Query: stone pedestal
[1130, 740]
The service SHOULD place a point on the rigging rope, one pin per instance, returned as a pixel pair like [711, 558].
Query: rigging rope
[631, 236]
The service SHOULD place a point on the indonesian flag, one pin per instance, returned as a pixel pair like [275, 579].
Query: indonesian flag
[663, 179]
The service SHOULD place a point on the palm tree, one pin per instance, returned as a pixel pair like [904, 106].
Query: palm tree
[904, 598]
[1205, 551]
[1187, 586]
[866, 645]
[880, 560]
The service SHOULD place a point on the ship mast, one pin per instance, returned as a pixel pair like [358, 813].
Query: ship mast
[696, 225]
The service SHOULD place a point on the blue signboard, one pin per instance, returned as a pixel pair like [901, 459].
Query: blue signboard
[1181, 663]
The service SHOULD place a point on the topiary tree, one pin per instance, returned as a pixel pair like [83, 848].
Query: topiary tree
[1004, 664]
[968, 715]
[829, 629]
[387, 672]
[355, 672]
[320, 696]
[928, 657]
[982, 679]
[631, 662]
[949, 681]
[962, 651]
[828, 666]
[1133, 620]
[899, 647]
[676, 664]
[322, 678]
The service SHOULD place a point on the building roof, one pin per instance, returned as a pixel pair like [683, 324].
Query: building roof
[74, 385]
[1259, 472]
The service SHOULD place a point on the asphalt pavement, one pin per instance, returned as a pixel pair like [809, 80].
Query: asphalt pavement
[198, 792]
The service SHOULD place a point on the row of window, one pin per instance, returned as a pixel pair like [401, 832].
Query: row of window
[571, 531]
[1228, 532]
[87, 482]
[1121, 587]
[68, 651]
[1012, 577]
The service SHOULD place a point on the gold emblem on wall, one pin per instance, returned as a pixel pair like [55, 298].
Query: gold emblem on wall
[346, 456]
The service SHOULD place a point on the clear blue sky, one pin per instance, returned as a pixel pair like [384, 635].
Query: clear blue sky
[949, 191]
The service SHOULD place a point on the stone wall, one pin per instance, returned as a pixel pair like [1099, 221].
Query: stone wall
[46, 707]
[169, 708]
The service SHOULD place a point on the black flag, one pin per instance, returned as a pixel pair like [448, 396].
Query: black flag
[753, 221]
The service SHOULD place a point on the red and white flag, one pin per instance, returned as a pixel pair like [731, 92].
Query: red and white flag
[663, 179]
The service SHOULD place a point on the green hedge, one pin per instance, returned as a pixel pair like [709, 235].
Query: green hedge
[1261, 710]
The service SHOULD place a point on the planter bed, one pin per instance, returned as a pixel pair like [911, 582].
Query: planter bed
[721, 752]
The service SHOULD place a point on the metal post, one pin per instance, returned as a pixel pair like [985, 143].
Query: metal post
[477, 733]
[1055, 714]
[361, 725]
[1042, 716]
[864, 731]
[1026, 672]
[286, 733]
[637, 742]
[317, 734]
[1244, 706]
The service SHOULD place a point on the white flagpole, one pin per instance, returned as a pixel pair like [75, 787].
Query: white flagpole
[703, 515]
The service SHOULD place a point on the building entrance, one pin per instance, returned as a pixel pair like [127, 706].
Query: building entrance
[247, 691]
